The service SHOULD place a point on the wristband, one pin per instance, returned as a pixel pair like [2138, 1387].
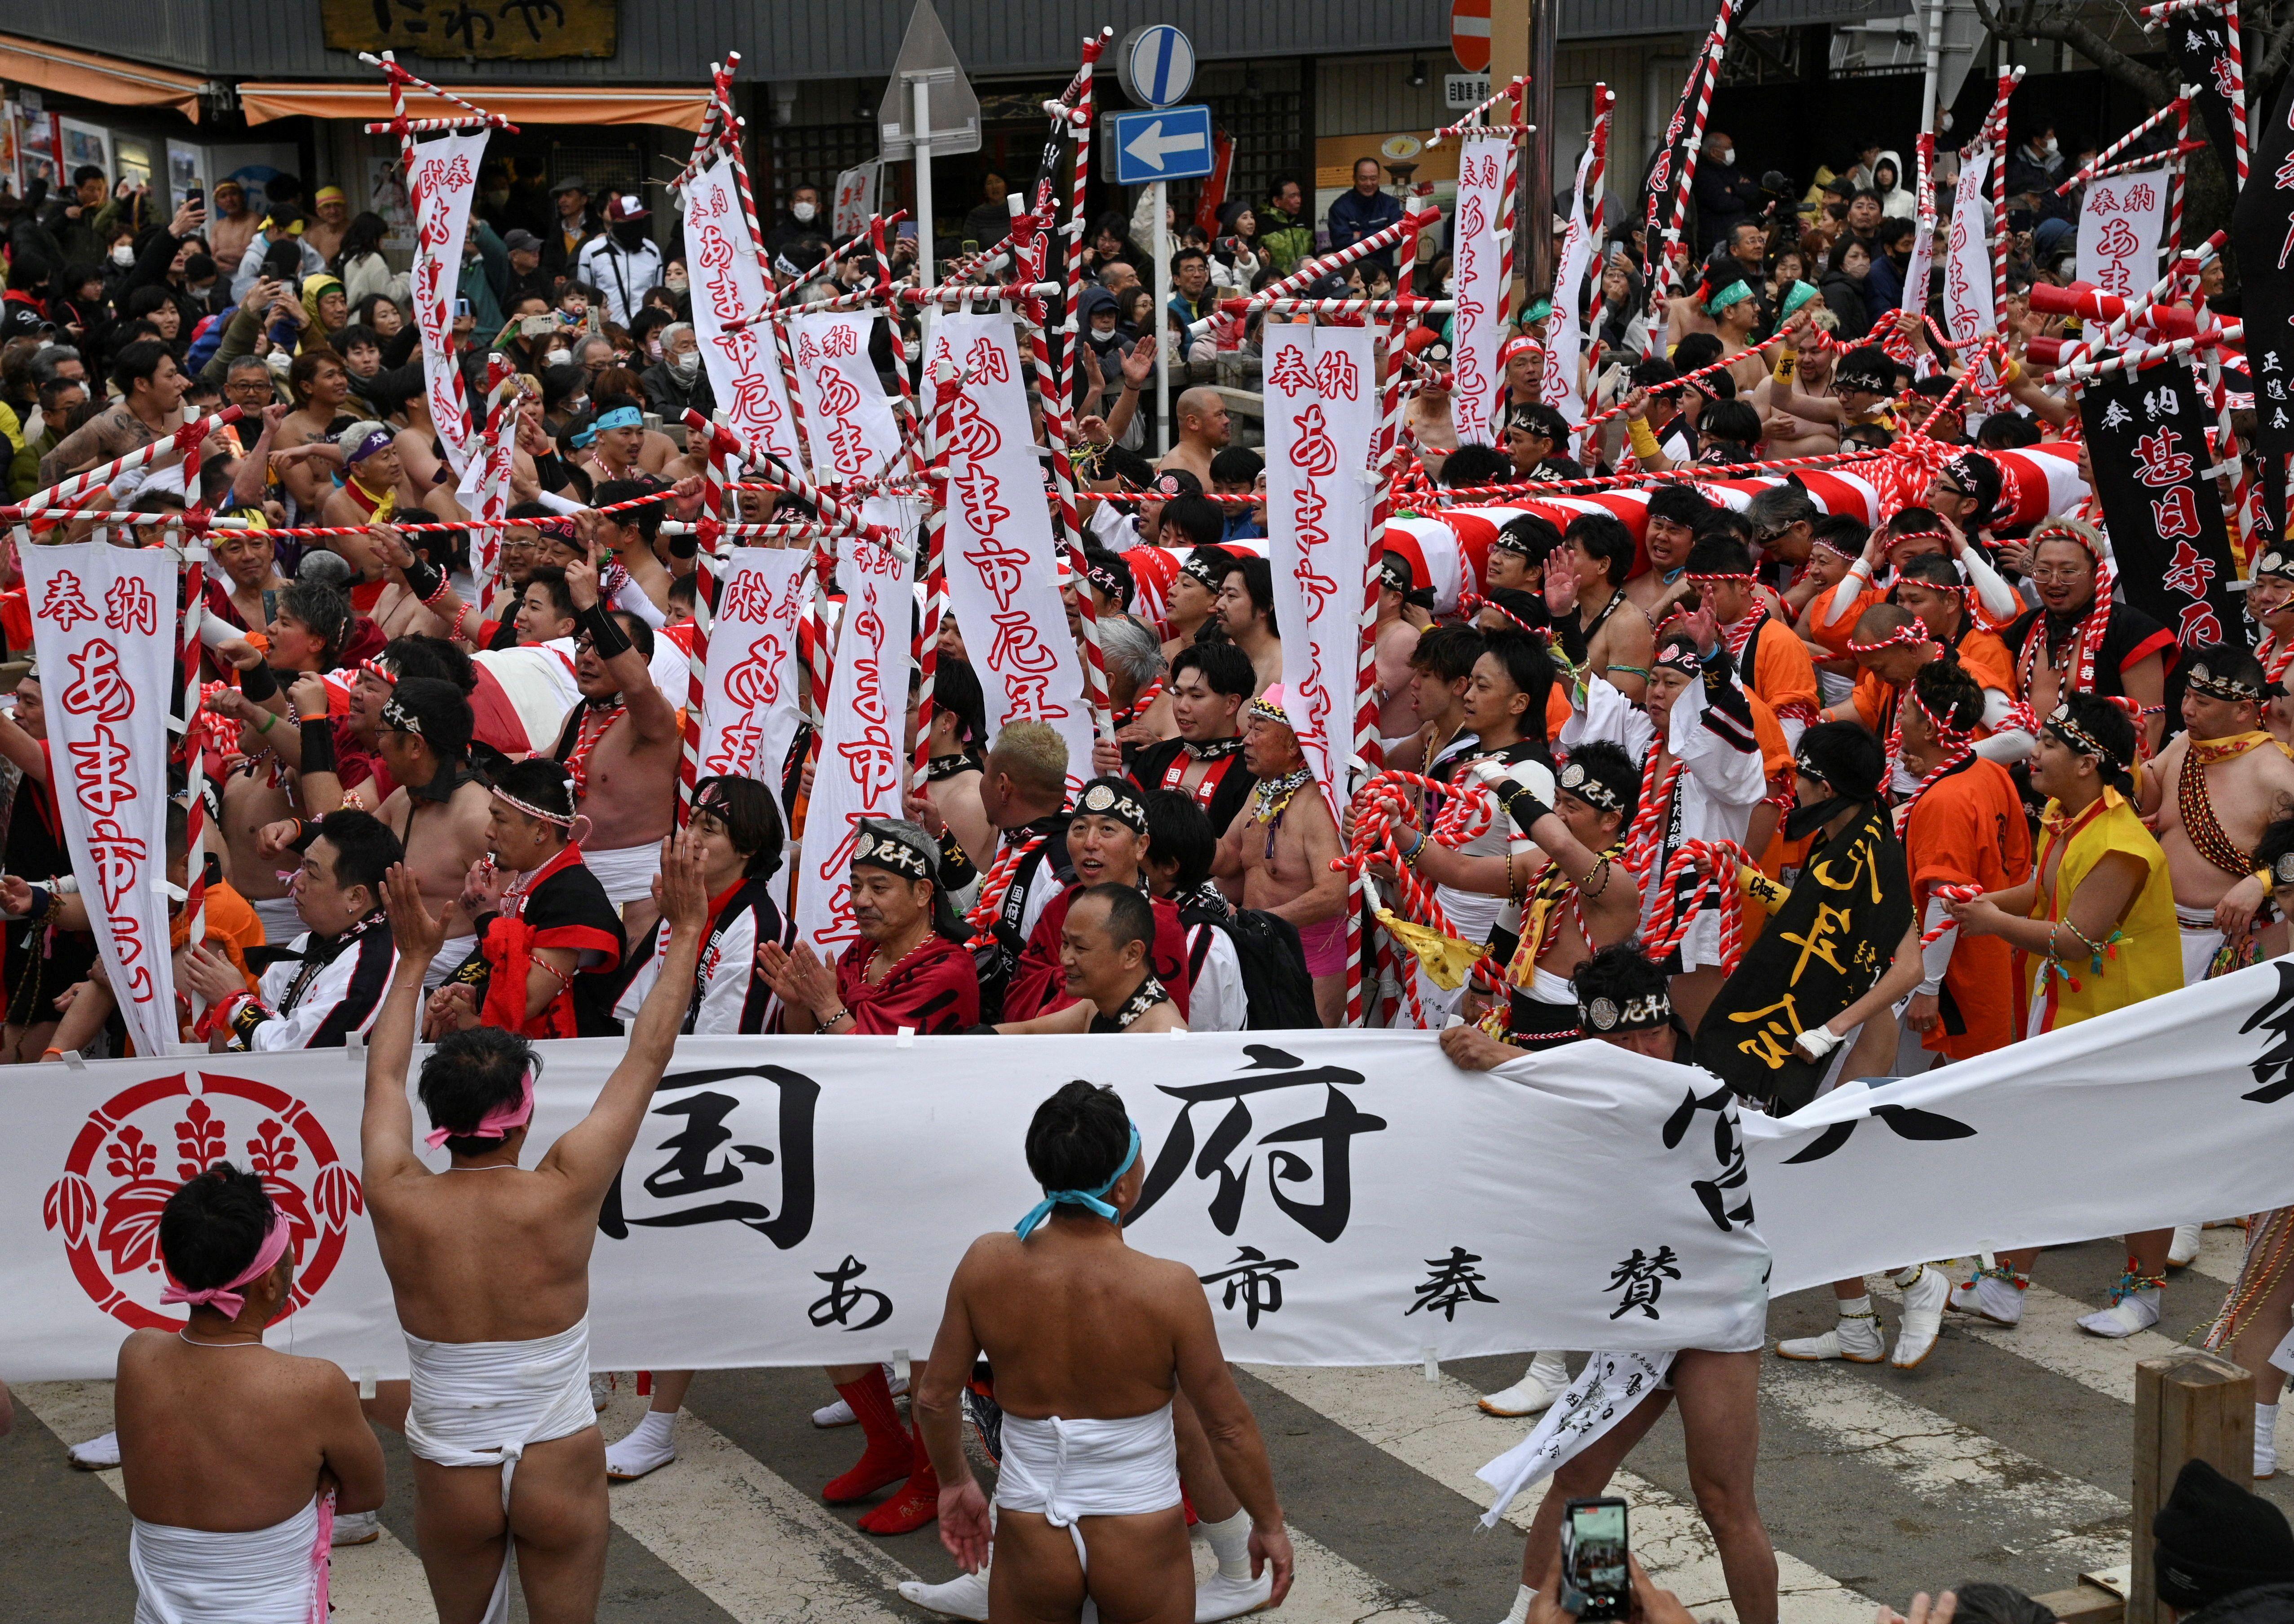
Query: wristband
[956, 868]
[262, 720]
[258, 682]
[2269, 879]
[687, 546]
[1644, 443]
[841, 1014]
[425, 579]
[318, 744]
[1787, 360]
[1524, 816]
[44, 902]
[606, 634]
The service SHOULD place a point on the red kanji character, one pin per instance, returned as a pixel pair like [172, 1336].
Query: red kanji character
[2177, 514]
[2198, 626]
[2189, 571]
[129, 606]
[65, 603]
[2161, 464]
[1291, 374]
[1336, 374]
[2141, 199]
[985, 364]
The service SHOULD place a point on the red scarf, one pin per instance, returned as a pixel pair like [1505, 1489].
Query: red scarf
[509, 956]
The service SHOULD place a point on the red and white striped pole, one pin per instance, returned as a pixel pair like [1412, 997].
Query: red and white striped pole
[1701, 73]
[708, 531]
[2175, 183]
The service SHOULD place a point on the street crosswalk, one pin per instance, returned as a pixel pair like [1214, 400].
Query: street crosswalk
[2006, 1455]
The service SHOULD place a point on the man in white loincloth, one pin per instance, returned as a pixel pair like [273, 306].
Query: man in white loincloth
[489, 1269]
[1087, 1489]
[236, 1457]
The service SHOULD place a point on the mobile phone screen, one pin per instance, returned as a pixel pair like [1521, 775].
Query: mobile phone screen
[1593, 1562]
[462, 309]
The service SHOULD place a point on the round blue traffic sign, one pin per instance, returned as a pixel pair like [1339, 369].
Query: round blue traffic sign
[1155, 64]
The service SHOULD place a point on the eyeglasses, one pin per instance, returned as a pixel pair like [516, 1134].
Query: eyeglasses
[1950, 490]
[2056, 572]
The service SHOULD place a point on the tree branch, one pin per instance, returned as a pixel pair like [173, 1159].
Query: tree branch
[2282, 43]
[2053, 23]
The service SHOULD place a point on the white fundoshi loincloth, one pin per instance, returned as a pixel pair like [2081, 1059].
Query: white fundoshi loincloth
[1063, 1470]
[275, 1575]
[626, 872]
[281, 923]
[2201, 942]
[485, 1403]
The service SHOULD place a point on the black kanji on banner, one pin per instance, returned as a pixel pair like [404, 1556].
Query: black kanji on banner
[2147, 441]
[2199, 43]
[2262, 235]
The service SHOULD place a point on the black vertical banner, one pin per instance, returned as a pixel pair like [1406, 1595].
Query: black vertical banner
[2262, 234]
[2146, 436]
[2199, 43]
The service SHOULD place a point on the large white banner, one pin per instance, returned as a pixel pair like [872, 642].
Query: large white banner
[444, 178]
[1346, 1198]
[2119, 231]
[1565, 337]
[865, 716]
[1967, 305]
[853, 432]
[2002, 1151]
[1917, 276]
[743, 362]
[1322, 418]
[104, 628]
[856, 198]
[749, 690]
[1477, 264]
[998, 549]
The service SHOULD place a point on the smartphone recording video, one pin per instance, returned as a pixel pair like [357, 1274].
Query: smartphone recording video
[1595, 1581]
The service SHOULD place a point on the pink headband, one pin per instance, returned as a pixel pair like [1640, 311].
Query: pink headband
[495, 1124]
[227, 1299]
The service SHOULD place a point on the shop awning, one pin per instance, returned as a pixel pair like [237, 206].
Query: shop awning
[681, 108]
[98, 79]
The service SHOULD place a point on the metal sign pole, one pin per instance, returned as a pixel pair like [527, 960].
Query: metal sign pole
[1159, 193]
[920, 90]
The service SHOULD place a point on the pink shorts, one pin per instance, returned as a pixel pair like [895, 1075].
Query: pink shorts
[1326, 946]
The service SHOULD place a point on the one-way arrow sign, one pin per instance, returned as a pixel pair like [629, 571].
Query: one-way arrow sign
[1172, 144]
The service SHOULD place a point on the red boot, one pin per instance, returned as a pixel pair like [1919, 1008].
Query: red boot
[889, 1455]
[917, 1502]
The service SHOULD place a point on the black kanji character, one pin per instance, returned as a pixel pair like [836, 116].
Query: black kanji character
[1642, 1278]
[689, 1170]
[1455, 1280]
[1255, 1280]
[2276, 1017]
[843, 1297]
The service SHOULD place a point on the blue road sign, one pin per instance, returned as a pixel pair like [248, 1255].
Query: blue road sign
[1171, 143]
[1156, 64]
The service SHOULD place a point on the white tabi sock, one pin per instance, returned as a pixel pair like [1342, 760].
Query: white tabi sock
[2265, 1437]
[1855, 1308]
[653, 1429]
[1550, 1370]
[1230, 1542]
[1518, 1614]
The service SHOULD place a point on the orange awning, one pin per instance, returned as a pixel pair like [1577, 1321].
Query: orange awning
[680, 108]
[98, 79]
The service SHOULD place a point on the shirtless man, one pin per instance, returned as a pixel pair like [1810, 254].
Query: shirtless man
[248, 559]
[1106, 943]
[322, 384]
[1587, 572]
[1805, 414]
[490, 1276]
[622, 744]
[2230, 780]
[439, 811]
[953, 767]
[375, 486]
[1140, 1333]
[1200, 414]
[1246, 608]
[1394, 639]
[1674, 513]
[236, 1457]
[1210, 683]
[617, 452]
[1280, 852]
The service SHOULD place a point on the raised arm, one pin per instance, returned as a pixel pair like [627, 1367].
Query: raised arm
[650, 713]
[591, 1151]
[386, 1125]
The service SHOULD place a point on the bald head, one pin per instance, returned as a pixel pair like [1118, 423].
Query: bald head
[1880, 621]
[1202, 416]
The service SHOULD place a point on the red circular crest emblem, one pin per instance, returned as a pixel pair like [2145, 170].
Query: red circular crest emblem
[107, 1204]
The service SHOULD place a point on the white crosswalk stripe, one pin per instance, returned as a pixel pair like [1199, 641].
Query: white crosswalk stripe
[747, 1534]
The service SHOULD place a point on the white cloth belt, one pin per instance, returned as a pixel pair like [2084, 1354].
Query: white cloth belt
[1064, 1470]
[1546, 987]
[275, 1575]
[2201, 942]
[626, 872]
[1610, 1387]
[485, 1403]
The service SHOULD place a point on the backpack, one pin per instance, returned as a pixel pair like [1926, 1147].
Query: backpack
[1274, 964]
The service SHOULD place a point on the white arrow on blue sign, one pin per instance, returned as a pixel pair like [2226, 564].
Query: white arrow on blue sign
[1172, 144]
[1156, 64]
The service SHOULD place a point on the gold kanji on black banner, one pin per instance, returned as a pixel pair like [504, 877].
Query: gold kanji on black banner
[530, 30]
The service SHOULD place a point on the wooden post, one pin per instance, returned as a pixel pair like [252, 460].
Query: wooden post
[2188, 1407]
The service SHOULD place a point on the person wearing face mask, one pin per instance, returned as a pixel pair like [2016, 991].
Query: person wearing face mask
[1725, 194]
[2034, 164]
[626, 261]
[676, 382]
[799, 220]
[674, 279]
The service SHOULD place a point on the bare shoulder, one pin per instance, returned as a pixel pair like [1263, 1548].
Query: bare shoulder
[1167, 1281]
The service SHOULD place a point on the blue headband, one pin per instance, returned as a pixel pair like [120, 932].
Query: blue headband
[621, 417]
[1088, 1199]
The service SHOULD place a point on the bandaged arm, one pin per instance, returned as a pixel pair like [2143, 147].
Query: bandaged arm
[1935, 956]
[1997, 596]
[2006, 745]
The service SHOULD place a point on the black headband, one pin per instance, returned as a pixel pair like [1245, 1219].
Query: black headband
[1204, 571]
[1113, 798]
[1642, 1014]
[882, 848]
[397, 718]
[2202, 680]
[1592, 790]
[2080, 741]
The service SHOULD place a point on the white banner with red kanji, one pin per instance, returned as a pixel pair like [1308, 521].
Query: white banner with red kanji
[997, 550]
[104, 629]
[728, 288]
[864, 721]
[1478, 267]
[2119, 231]
[853, 430]
[749, 689]
[1967, 302]
[443, 178]
[1564, 333]
[1322, 417]
[856, 198]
